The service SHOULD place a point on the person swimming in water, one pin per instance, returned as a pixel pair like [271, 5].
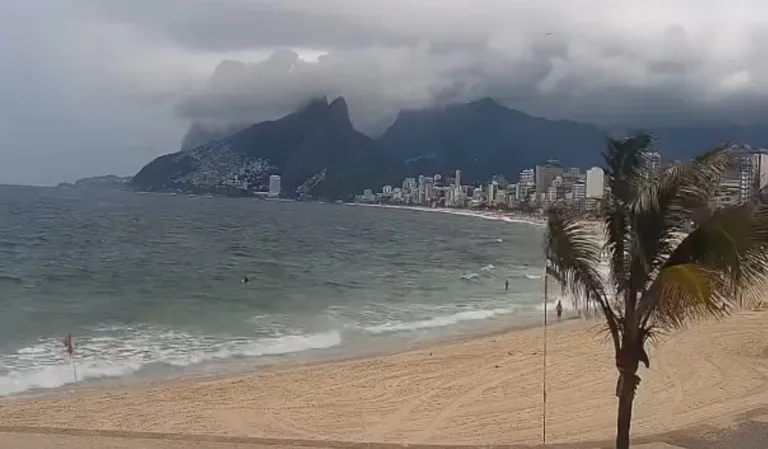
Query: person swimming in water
[246, 280]
[559, 310]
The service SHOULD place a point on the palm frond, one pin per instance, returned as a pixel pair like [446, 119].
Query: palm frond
[656, 217]
[624, 164]
[666, 208]
[573, 260]
[573, 254]
[624, 172]
[687, 291]
[702, 178]
[730, 252]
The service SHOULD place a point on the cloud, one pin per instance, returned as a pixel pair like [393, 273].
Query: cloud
[604, 61]
[105, 77]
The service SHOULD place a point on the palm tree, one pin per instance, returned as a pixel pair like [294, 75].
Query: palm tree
[664, 268]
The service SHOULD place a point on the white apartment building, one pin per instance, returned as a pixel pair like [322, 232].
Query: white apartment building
[527, 176]
[753, 174]
[500, 198]
[579, 190]
[409, 185]
[595, 185]
[490, 195]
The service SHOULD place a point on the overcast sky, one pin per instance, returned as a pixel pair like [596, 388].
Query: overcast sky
[90, 87]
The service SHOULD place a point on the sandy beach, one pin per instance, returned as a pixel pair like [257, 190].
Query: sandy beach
[485, 390]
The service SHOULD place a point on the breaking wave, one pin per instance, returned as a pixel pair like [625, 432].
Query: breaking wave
[120, 351]
[438, 321]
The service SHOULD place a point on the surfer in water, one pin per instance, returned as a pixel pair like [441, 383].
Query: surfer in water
[246, 280]
[506, 285]
[559, 310]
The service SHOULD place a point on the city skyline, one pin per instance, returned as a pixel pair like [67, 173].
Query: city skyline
[550, 182]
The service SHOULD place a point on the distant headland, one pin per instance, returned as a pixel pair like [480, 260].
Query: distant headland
[107, 182]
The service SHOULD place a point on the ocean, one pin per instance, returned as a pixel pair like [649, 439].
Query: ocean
[151, 285]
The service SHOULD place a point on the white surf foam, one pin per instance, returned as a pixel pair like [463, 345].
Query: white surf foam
[121, 351]
[438, 321]
[484, 270]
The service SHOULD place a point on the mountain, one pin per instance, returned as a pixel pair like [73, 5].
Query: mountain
[200, 134]
[318, 152]
[315, 150]
[484, 138]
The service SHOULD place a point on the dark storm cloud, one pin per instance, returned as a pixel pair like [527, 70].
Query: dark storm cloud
[203, 25]
[95, 86]
[585, 61]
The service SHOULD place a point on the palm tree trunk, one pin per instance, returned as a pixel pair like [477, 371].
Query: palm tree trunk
[626, 392]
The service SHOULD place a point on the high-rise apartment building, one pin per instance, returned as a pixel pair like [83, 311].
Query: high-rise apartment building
[743, 182]
[546, 173]
[409, 185]
[429, 188]
[579, 190]
[753, 174]
[527, 176]
[490, 195]
[595, 184]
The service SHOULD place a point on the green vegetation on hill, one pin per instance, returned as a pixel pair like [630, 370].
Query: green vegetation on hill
[317, 141]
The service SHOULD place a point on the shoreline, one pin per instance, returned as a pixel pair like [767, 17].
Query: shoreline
[487, 215]
[474, 391]
[396, 343]
[257, 369]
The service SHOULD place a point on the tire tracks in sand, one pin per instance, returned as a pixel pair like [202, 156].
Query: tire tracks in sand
[385, 427]
[671, 374]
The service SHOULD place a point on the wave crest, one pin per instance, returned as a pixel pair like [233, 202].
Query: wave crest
[438, 321]
[126, 350]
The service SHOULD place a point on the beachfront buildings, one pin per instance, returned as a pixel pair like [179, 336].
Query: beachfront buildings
[552, 183]
[544, 174]
[745, 181]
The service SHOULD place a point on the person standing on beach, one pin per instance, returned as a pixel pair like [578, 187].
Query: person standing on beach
[559, 309]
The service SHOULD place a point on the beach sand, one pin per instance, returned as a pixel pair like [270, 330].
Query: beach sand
[485, 390]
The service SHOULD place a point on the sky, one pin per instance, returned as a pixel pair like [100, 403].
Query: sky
[93, 87]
